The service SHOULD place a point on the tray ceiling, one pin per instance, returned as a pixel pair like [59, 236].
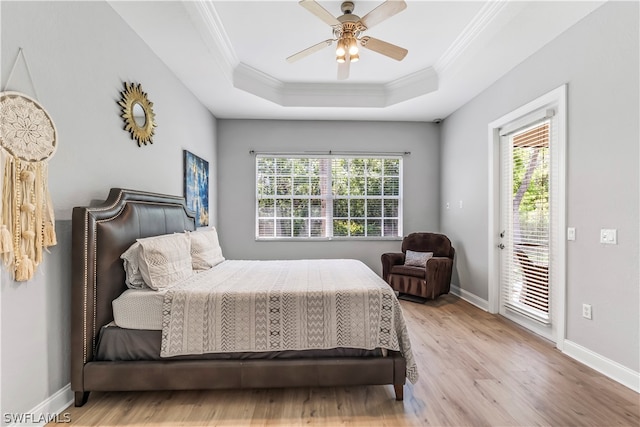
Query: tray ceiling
[231, 54]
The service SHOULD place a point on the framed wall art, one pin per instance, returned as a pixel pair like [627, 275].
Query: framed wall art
[196, 187]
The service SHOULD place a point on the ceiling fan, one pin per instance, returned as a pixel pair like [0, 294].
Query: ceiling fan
[348, 30]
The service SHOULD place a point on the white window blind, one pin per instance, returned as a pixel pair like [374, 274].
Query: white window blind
[525, 270]
[327, 196]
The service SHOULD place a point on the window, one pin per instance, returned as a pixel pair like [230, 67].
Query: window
[527, 230]
[328, 197]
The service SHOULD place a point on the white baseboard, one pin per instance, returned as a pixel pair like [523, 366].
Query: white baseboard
[608, 367]
[469, 297]
[49, 410]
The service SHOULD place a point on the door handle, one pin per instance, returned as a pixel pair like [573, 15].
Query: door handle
[501, 246]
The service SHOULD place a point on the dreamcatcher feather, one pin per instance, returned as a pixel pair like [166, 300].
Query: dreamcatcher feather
[28, 141]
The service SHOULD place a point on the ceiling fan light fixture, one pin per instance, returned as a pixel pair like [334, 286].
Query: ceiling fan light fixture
[348, 33]
[341, 49]
[353, 46]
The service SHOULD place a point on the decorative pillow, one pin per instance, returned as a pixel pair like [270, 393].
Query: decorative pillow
[417, 259]
[205, 249]
[164, 260]
[133, 277]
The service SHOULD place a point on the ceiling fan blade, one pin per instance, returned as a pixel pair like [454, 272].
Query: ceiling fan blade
[382, 12]
[343, 70]
[308, 51]
[387, 49]
[315, 8]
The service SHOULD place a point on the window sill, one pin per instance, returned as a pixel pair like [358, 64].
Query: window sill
[326, 239]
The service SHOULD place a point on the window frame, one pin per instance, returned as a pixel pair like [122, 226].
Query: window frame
[329, 198]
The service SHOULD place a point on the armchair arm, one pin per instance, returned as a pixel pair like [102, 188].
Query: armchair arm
[389, 260]
[439, 270]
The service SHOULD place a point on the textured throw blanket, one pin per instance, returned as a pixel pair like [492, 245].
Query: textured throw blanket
[247, 306]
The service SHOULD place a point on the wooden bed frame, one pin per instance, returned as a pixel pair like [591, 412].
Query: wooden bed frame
[100, 234]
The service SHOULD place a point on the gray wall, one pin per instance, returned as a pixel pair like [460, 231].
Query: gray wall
[79, 53]
[598, 59]
[236, 174]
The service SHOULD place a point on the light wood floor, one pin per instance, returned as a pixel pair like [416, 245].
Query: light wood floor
[476, 369]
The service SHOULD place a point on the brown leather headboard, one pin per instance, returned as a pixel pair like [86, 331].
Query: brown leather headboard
[100, 234]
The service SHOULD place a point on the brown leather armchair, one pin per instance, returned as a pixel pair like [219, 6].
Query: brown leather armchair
[426, 282]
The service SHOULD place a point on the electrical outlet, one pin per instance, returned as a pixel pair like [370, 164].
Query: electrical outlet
[586, 311]
[609, 236]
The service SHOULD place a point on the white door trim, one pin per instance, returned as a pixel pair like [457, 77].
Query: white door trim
[557, 99]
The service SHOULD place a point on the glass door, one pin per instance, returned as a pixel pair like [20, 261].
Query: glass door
[525, 222]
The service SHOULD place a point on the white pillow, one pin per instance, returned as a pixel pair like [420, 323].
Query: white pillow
[133, 277]
[205, 249]
[417, 259]
[164, 260]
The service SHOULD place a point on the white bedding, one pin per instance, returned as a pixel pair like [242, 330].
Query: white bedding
[241, 306]
[139, 309]
[247, 306]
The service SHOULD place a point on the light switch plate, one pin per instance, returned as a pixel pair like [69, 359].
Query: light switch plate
[571, 233]
[609, 236]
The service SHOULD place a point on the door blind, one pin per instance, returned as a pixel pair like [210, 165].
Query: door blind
[526, 216]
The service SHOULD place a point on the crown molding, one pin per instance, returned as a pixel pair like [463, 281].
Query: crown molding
[411, 86]
[474, 28]
[206, 19]
[254, 81]
[258, 83]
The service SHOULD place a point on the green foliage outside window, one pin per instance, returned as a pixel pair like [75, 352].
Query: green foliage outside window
[328, 197]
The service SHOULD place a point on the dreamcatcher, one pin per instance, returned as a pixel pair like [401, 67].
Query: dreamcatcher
[28, 139]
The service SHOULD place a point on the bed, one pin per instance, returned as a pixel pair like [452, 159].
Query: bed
[103, 232]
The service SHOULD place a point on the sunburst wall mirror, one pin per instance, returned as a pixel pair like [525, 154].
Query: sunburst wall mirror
[137, 112]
